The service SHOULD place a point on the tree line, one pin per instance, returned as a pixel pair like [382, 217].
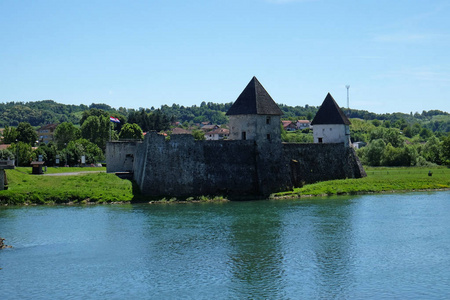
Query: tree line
[392, 139]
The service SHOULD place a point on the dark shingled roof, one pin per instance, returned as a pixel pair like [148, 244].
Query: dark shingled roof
[330, 113]
[254, 100]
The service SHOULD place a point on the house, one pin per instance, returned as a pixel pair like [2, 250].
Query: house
[46, 132]
[254, 115]
[178, 130]
[289, 125]
[209, 127]
[217, 134]
[358, 145]
[330, 123]
[303, 124]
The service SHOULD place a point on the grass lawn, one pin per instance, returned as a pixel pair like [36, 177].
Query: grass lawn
[90, 187]
[54, 170]
[378, 180]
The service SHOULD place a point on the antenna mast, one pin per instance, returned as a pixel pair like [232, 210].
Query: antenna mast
[348, 102]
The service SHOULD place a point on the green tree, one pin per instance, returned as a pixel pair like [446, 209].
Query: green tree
[65, 133]
[96, 130]
[6, 154]
[445, 150]
[131, 131]
[48, 151]
[376, 123]
[22, 153]
[80, 147]
[92, 112]
[431, 151]
[9, 135]
[199, 135]
[26, 133]
[373, 153]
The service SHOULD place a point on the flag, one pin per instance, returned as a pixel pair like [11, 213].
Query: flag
[115, 120]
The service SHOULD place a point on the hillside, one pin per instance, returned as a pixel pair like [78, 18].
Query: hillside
[44, 112]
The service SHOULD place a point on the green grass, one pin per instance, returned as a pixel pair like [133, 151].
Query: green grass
[24, 188]
[378, 180]
[53, 170]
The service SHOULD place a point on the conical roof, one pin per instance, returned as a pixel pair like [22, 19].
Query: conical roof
[330, 113]
[254, 100]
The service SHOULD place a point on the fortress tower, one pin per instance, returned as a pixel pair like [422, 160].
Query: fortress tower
[330, 125]
[254, 115]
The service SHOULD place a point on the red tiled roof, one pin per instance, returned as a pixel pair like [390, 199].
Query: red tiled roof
[178, 130]
[219, 131]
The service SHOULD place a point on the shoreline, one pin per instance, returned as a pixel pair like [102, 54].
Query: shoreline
[222, 199]
[103, 188]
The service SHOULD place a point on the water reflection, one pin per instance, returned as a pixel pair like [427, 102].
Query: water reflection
[256, 252]
[333, 249]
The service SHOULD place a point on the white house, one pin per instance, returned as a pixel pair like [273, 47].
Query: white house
[217, 134]
[303, 124]
[330, 124]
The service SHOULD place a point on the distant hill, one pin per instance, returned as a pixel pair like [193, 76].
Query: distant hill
[44, 112]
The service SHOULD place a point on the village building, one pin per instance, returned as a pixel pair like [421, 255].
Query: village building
[178, 130]
[209, 127]
[303, 124]
[289, 125]
[217, 134]
[46, 132]
[330, 125]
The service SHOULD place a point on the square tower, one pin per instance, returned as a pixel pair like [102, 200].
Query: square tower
[254, 115]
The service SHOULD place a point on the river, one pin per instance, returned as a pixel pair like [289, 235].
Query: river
[357, 247]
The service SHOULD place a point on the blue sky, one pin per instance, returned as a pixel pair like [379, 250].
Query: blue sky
[395, 55]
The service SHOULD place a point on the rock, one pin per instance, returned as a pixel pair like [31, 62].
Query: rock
[2, 244]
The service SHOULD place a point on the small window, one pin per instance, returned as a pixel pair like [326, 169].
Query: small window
[320, 140]
[268, 120]
[244, 135]
[268, 136]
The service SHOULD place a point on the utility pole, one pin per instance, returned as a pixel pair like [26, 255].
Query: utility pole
[348, 102]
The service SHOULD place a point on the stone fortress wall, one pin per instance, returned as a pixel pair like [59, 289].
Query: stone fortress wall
[183, 167]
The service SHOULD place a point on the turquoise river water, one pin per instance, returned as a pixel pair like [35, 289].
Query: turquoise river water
[394, 246]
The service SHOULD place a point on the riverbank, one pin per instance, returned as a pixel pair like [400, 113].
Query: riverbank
[378, 180]
[95, 186]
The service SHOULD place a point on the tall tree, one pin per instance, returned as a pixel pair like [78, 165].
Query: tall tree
[131, 131]
[26, 133]
[96, 130]
[9, 135]
[65, 133]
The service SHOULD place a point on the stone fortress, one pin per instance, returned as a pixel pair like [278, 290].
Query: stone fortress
[253, 162]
